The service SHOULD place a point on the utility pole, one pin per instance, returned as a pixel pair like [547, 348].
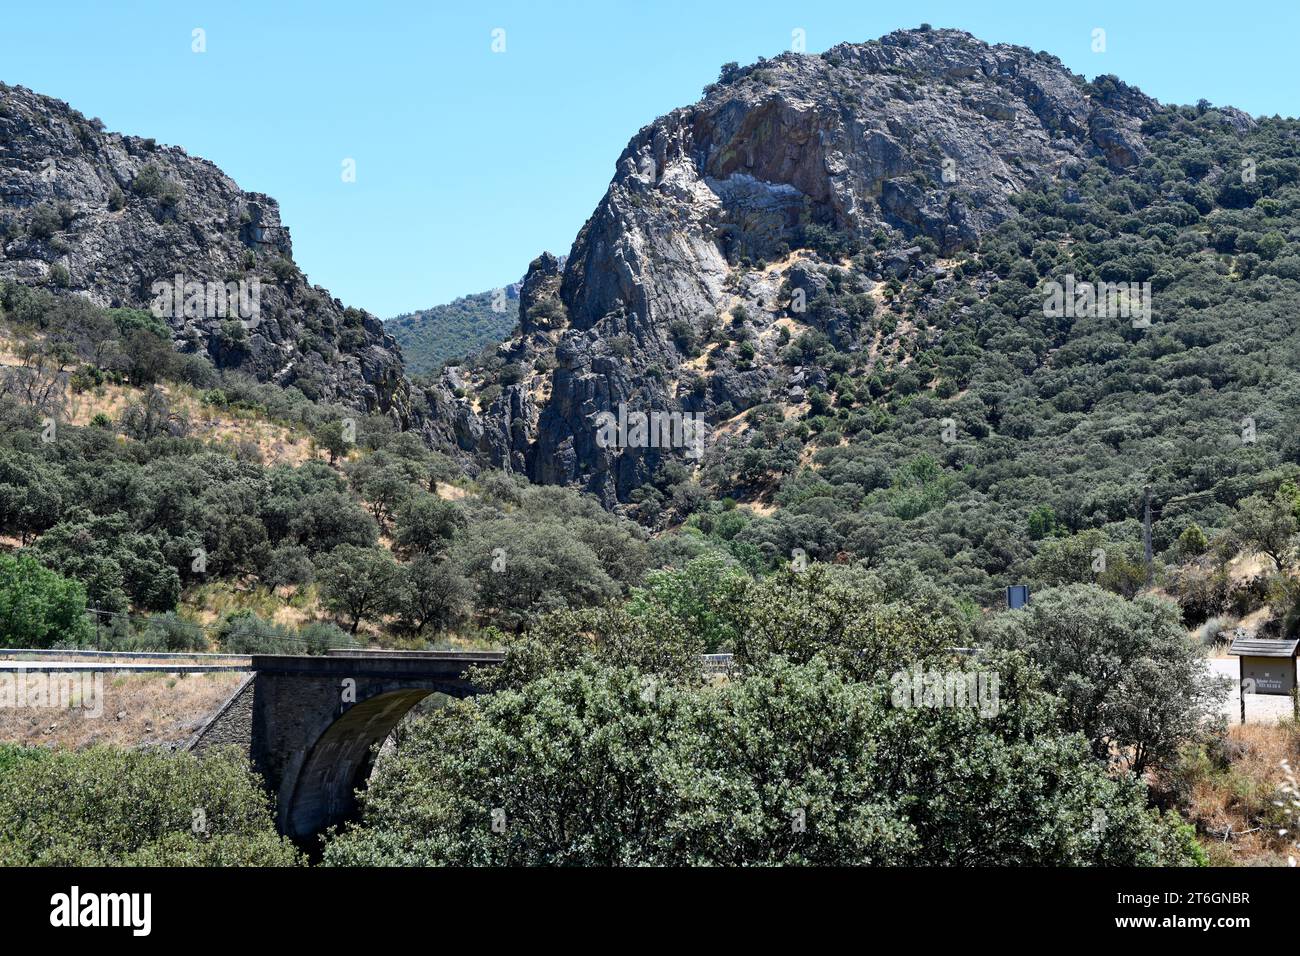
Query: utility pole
[1146, 529]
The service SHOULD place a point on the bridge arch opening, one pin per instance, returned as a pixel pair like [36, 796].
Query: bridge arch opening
[340, 761]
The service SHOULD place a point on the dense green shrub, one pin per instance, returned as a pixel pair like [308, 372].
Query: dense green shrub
[111, 807]
[604, 766]
[38, 607]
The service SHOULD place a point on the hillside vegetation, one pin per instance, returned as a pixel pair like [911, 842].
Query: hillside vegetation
[194, 509]
[965, 433]
[899, 426]
[454, 331]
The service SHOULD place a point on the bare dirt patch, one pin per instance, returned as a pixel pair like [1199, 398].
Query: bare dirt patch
[152, 709]
[450, 492]
[277, 444]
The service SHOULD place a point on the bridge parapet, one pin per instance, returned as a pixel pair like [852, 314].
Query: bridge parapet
[353, 663]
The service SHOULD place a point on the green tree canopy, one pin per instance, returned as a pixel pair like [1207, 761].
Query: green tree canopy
[598, 766]
[358, 583]
[1131, 679]
[39, 607]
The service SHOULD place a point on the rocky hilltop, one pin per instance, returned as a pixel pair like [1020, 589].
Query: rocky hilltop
[107, 216]
[733, 213]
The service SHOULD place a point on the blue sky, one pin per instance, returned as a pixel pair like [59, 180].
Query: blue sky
[469, 162]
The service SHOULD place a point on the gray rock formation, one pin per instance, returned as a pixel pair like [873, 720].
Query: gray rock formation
[921, 137]
[107, 216]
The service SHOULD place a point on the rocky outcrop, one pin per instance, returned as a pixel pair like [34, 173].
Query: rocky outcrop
[122, 220]
[922, 137]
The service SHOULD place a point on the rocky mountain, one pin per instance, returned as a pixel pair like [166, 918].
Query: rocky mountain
[726, 219]
[129, 223]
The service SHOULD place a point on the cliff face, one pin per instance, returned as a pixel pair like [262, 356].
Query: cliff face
[111, 217]
[718, 211]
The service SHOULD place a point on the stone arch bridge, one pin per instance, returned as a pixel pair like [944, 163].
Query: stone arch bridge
[309, 724]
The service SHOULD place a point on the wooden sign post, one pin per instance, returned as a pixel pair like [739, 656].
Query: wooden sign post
[1265, 667]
